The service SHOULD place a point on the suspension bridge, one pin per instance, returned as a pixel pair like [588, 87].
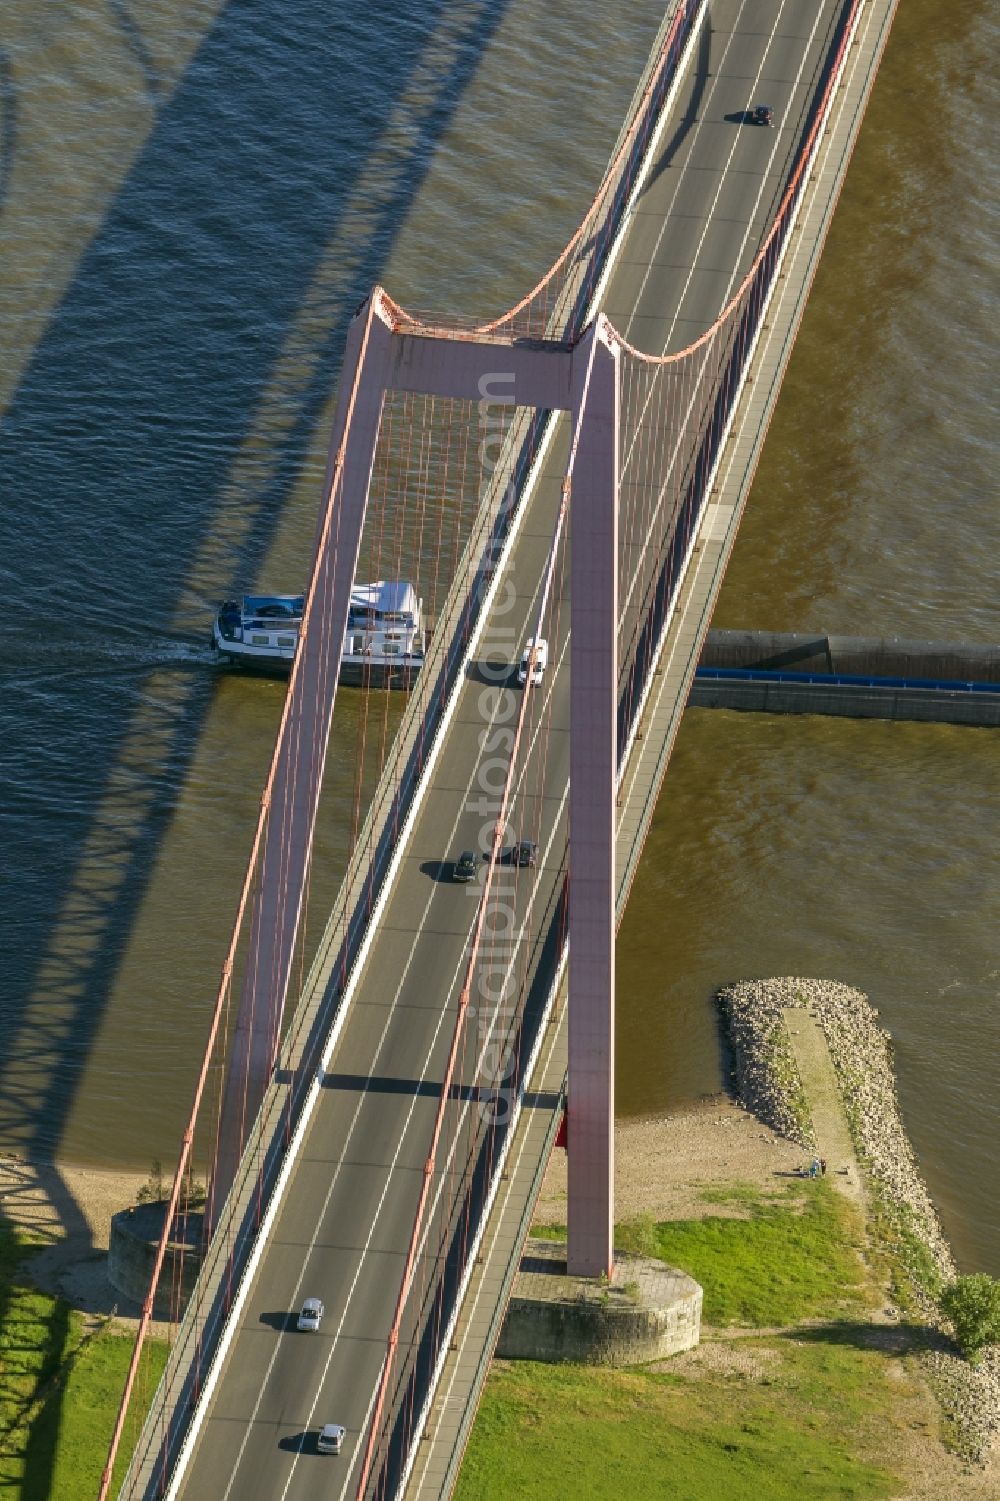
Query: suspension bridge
[377, 1121]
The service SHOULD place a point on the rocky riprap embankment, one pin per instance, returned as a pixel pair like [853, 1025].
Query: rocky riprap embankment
[861, 1052]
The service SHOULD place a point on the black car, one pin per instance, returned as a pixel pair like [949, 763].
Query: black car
[763, 115]
[524, 852]
[465, 866]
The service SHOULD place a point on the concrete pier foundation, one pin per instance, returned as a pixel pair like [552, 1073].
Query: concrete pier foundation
[644, 1311]
[135, 1235]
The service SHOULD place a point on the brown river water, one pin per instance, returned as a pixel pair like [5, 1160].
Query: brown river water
[191, 205]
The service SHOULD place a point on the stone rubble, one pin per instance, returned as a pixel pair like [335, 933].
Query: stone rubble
[861, 1052]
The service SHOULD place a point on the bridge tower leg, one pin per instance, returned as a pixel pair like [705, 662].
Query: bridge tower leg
[592, 802]
[584, 378]
[293, 789]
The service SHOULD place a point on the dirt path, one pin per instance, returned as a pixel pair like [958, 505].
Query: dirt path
[833, 1139]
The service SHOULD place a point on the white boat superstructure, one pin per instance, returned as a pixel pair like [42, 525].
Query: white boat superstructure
[385, 638]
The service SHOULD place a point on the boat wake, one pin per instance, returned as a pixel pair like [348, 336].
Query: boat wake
[94, 657]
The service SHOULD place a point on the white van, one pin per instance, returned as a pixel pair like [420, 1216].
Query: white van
[541, 660]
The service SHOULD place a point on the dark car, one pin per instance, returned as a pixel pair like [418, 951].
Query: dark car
[465, 866]
[763, 115]
[524, 852]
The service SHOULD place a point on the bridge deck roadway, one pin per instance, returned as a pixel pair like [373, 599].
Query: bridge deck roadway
[454, 1406]
[347, 1211]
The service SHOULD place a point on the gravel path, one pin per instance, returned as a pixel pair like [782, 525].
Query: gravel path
[814, 1071]
[831, 1134]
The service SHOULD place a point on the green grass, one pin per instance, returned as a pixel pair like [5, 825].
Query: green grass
[59, 1388]
[803, 1422]
[595, 1434]
[791, 1255]
[795, 1257]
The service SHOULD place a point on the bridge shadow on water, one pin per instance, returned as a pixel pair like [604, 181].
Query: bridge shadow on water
[122, 435]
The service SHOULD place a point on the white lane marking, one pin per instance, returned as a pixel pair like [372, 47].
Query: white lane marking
[733, 272]
[856, 62]
[721, 183]
[681, 175]
[653, 520]
[534, 892]
[522, 1147]
[443, 1171]
[389, 1020]
[724, 439]
[523, 1144]
[562, 801]
[250, 1272]
[635, 304]
[855, 59]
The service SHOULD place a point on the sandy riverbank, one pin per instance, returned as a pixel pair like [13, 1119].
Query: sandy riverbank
[663, 1164]
[771, 1023]
[67, 1210]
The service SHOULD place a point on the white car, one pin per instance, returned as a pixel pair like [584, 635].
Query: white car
[311, 1316]
[330, 1439]
[541, 647]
